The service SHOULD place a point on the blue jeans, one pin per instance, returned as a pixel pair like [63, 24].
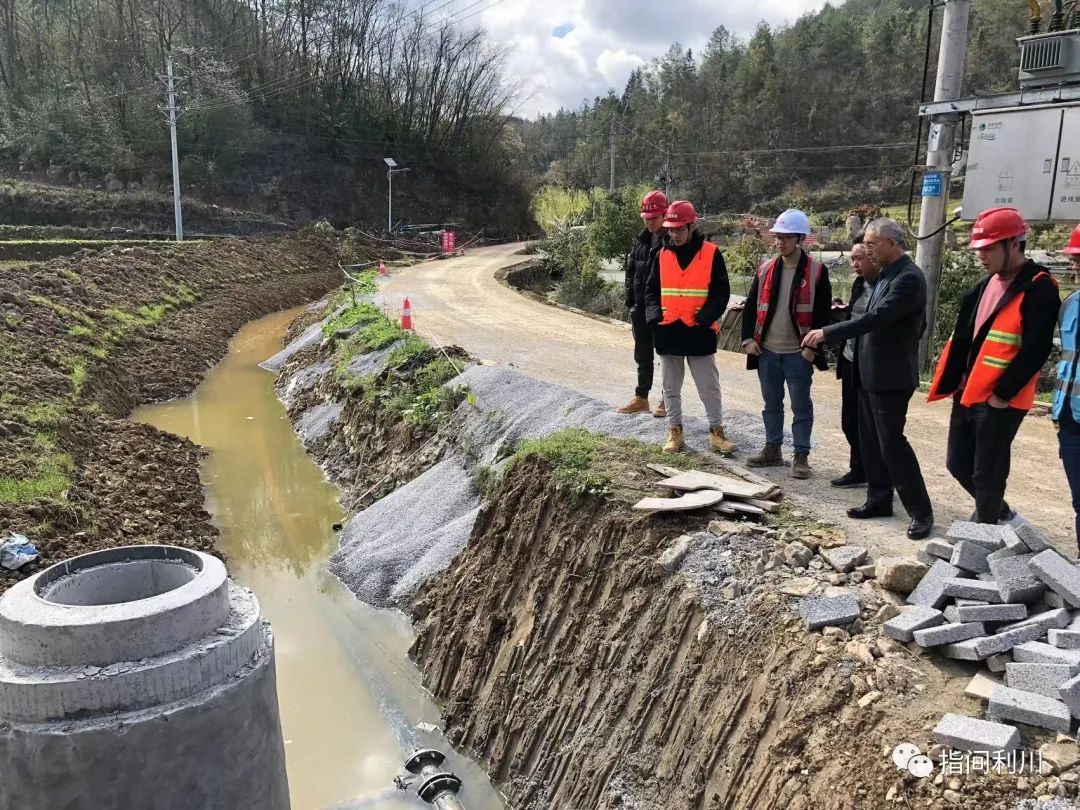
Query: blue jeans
[1069, 450]
[773, 371]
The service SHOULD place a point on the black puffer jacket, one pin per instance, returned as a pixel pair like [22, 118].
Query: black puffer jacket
[638, 262]
[678, 338]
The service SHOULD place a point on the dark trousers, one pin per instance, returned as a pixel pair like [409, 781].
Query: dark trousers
[643, 351]
[980, 452]
[849, 413]
[1069, 450]
[887, 457]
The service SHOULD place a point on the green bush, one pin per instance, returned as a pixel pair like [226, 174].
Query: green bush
[617, 222]
[556, 208]
[960, 269]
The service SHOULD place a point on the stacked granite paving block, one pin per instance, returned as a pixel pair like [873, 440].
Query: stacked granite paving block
[1007, 598]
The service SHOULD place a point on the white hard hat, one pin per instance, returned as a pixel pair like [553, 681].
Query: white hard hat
[792, 221]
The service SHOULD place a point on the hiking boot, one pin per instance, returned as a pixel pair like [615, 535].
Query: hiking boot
[768, 457]
[661, 409]
[719, 442]
[800, 467]
[636, 405]
[675, 441]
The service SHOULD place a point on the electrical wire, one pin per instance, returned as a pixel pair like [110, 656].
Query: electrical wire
[922, 99]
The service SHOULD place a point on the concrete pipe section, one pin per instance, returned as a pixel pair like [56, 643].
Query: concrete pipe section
[138, 677]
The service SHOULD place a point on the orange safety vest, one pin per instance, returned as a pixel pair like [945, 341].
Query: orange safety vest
[804, 296]
[1001, 346]
[684, 292]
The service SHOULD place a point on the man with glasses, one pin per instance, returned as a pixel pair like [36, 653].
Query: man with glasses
[686, 294]
[789, 296]
[887, 375]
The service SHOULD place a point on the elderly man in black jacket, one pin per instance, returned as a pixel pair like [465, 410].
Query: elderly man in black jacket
[887, 369]
[638, 262]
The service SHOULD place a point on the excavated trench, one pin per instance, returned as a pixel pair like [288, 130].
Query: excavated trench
[593, 657]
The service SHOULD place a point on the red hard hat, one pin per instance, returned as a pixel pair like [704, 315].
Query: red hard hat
[1074, 242]
[680, 213]
[653, 205]
[996, 225]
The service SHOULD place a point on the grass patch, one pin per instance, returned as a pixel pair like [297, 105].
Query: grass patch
[360, 313]
[80, 331]
[78, 376]
[589, 464]
[45, 415]
[53, 477]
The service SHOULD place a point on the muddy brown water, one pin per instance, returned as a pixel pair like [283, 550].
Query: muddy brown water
[350, 697]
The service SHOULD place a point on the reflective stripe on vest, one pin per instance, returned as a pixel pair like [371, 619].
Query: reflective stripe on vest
[684, 292]
[1066, 392]
[804, 295]
[998, 350]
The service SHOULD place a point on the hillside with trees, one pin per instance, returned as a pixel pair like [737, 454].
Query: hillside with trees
[747, 121]
[288, 108]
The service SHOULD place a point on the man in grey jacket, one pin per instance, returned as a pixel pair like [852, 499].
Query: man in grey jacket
[887, 375]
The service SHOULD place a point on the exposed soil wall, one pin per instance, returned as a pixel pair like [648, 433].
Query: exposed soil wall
[89, 337]
[590, 672]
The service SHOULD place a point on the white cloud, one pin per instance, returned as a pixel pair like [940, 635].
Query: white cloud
[616, 66]
[608, 39]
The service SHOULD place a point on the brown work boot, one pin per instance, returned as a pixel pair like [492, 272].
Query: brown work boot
[675, 441]
[768, 457]
[719, 442]
[636, 405]
[661, 409]
[800, 467]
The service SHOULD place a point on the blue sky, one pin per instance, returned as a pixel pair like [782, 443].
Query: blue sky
[562, 52]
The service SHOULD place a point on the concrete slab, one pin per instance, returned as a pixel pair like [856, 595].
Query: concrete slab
[684, 503]
[1034, 538]
[917, 617]
[948, 634]
[1042, 679]
[1058, 574]
[1055, 617]
[1054, 599]
[844, 558]
[982, 685]
[971, 556]
[991, 613]
[1070, 693]
[938, 548]
[1002, 553]
[930, 592]
[1027, 707]
[973, 734]
[1003, 642]
[1037, 652]
[1064, 639]
[998, 663]
[971, 589]
[983, 533]
[828, 611]
[1016, 581]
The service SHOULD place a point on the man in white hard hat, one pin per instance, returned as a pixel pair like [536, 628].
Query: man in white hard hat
[789, 296]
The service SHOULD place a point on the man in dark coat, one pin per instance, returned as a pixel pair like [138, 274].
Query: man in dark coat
[653, 207]
[887, 369]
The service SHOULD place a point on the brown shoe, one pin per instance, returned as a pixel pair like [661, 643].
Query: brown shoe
[636, 405]
[675, 441]
[800, 467]
[661, 410]
[718, 441]
[768, 457]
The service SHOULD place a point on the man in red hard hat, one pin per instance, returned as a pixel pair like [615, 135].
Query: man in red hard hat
[1066, 412]
[638, 261]
[686, 294]
[990, 366]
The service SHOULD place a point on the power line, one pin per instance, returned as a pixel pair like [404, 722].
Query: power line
[799, 149]
[479, 11]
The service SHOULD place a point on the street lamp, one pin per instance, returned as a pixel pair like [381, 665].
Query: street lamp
[391, 168]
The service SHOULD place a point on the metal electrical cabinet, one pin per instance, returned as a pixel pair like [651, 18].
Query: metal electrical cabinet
[1011, 160]
[1066, 199]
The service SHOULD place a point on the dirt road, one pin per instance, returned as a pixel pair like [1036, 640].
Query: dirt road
[459, 301]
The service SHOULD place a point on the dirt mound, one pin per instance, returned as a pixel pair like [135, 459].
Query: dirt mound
[590, 671]
[88, 337]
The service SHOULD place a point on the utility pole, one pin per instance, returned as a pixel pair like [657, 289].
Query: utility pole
[611, 183]
[939, 157]
[172, 113]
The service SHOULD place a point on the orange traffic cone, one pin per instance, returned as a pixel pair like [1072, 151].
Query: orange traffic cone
[382, 268]
[406, 315]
